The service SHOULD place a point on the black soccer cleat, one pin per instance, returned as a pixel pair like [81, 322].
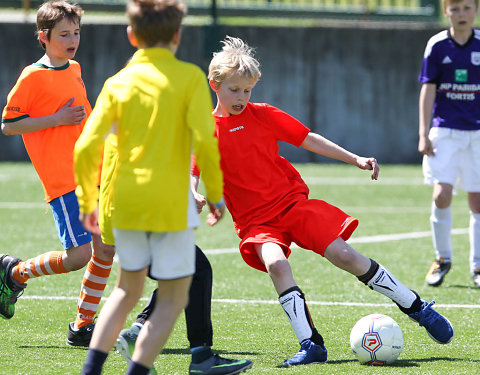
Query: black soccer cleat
[81, 336]
[10, 290]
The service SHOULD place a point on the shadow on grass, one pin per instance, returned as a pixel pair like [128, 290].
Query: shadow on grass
[401, 363]
[471, 287]
[225, 353]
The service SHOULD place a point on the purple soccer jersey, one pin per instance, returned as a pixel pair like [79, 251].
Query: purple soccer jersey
[455, 69]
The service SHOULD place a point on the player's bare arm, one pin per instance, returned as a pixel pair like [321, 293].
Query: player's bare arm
[427, 98]
[322, 146]
[200, 200]
[66, 115]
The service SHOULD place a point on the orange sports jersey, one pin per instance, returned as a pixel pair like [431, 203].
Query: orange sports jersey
[41, 91]
[258, 183]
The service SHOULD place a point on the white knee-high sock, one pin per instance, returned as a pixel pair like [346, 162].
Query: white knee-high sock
[293, 303]
[474, 234]
[441, 223]
[384, 282]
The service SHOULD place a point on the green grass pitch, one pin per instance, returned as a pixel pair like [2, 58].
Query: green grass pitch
[248, 322]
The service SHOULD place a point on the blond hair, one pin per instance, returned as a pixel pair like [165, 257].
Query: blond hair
[445, 3]
[52, 12]
[155, 21]
[236, 57]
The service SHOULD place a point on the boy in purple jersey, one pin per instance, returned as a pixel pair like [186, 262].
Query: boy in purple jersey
[450, 99]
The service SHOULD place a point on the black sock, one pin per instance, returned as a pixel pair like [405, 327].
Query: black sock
[94, 362]
[137, 369]
[416, 305]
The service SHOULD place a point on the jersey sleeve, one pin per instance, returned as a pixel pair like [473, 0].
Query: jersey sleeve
[88, 150]
[18, 100]
[430, 67]
[285, 127]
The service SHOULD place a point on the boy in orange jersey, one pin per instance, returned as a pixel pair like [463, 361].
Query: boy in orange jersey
[271, 209]
[49, 106]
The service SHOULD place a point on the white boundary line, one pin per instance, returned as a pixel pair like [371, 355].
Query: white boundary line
[270, 302]
[365, 239]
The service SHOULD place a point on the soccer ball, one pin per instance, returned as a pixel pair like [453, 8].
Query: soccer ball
[376, 339]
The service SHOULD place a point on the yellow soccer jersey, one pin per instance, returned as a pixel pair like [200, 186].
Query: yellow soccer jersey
[159, 107]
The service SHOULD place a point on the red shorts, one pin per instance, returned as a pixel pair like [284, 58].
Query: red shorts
[311, 223]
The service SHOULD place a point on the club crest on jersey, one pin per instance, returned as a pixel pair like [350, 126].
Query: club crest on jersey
[475, 58]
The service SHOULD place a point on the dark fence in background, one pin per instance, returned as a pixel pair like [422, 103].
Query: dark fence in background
[405, 10]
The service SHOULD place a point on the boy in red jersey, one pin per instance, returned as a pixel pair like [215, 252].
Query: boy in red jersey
[48, 106]
[270, 207]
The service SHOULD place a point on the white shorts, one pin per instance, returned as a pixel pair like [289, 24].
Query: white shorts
[456, 159]
[170, 255]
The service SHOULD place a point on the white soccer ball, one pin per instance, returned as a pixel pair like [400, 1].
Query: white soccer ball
[376, 339]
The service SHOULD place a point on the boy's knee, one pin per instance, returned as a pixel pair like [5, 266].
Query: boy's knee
[78, 257]
[278, 268]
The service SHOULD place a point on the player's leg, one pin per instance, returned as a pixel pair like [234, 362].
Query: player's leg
[292, 300]
[172, 297]
[441, 224]
[112, 317]
[93, 284]
[474, 234]
[199, 324]
[14, 272]
[381, 280]
[442, 171]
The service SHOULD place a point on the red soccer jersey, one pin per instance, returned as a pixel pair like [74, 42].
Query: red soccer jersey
[258, 183]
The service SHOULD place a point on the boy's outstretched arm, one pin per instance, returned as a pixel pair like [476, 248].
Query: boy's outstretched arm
[322, 146]
[66, 115]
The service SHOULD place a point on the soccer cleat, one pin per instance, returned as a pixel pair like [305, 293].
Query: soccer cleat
[309, 353]
[216, 365]
[81, 336]
[10, 290]
[438, 327]
[476, 277]
[125, 345]
[437, 272]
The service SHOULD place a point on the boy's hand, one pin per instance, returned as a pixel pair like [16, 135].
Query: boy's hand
[216, 212]
[90, 221]
[369, 164]
[425, 146]
[68, 115]
[200, 201]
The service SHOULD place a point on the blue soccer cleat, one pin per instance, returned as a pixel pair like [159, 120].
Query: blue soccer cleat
[438, 327]
[309, 353]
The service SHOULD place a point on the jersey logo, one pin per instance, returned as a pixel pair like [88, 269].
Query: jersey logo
[461, 75]
[236, 129]
[447, 60]
[475, 58]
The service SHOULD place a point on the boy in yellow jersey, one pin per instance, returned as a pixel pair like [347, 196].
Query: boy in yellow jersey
[160, 109]
[48, 106]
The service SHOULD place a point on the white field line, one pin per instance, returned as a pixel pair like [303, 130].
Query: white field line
[268, 302]
[365, 239]
[362, 181]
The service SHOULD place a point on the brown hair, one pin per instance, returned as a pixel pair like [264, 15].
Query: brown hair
[155, 21]
[52, 12]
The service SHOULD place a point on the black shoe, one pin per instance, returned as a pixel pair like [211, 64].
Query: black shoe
[216, 365]
[10, 290]
[437, 272]
[476, 277]
[81, 336]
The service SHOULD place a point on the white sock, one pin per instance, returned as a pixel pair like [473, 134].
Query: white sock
[294, 306]
[441, 223]
[474, 234]
[385, 283]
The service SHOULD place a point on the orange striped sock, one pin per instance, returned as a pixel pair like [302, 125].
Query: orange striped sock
[50, 263]
[93, 285]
